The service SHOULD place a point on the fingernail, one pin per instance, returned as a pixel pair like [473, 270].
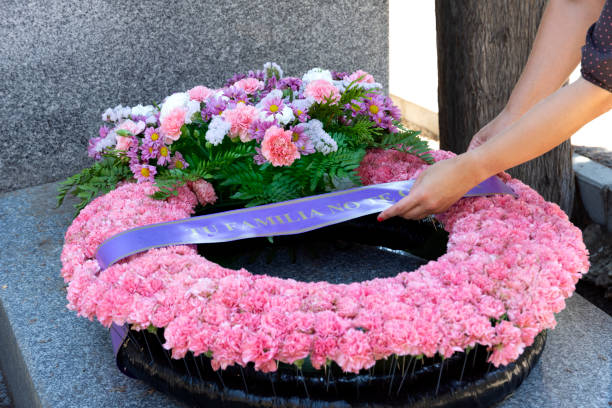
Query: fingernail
[379, 218]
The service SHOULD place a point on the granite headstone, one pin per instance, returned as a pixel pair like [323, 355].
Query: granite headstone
[63, 62]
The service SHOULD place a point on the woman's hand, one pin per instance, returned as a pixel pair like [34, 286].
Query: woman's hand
[437, 188]
[501, 122]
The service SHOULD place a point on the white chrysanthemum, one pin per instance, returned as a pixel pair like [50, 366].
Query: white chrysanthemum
[140, 110]
[317, 73]
[303, 104]
[122, 111]
[217, 129]
[109, 140]
[176, 100]
[285, 116]
[192, 108]
[322, 142]
[272, 69]
[109, 115]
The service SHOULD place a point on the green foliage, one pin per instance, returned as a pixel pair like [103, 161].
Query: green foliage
[312, 174]
[99, 179]
[407, 141]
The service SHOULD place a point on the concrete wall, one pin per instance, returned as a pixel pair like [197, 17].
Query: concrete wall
[63, 62]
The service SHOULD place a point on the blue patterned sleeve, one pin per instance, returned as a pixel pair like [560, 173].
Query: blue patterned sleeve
[597, 51]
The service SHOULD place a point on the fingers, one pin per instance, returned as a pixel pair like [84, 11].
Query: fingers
[405, 205]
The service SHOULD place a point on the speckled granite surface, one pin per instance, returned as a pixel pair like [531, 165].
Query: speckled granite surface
[5, 398]
[70, 363]
[63, 62]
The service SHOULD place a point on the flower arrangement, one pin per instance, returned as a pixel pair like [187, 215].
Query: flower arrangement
[509, 266]
[261, 138]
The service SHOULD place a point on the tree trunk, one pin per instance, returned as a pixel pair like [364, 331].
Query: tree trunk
[482, 49]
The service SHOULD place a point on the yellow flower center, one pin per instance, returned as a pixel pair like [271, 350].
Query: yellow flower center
[296, 136]
[163, 151]
[299, 112]
[273, 108]
[355, 107]
[178, 164]
[145, 172]
[374, 109]
[150, 150]
[154, 136]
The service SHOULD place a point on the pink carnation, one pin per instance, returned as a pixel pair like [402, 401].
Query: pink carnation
[278, 148]
[204, 191]
[249, 85]
[321, 90]
[200, 93]
[171, 124]
[361, 76]
[240, 119]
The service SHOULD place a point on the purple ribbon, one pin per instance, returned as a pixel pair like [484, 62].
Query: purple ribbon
[284, 218]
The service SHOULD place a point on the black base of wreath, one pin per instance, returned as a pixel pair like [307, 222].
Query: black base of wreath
[464, 380]
[352, 251]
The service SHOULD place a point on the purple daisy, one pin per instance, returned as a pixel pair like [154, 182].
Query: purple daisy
[272, 105]
[214, 106]
[143, 172]
[299, 138]
[235, 94]
[178, 162]
[134, 149]
[336, 75]
[258, 128]
[290, 83]
[163, 155]
[149, 151]
[259, 158]
[300, 109]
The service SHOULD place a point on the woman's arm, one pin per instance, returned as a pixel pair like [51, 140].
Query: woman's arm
[554, 55]
[546, 125]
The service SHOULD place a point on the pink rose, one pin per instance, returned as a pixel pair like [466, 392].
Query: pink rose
[321, 90]
[278, 148]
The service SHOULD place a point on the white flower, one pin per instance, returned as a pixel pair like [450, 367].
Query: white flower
[322, 142]
[317, 73]
[108, 141]
[303, 104]
[109, 115]
[176, 100]
[192, 108]
[140, 110]
[272, 69]
[285, 116]
[122, 111]
[217, 129]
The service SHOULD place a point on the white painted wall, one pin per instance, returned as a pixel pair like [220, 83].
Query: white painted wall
[413, 69]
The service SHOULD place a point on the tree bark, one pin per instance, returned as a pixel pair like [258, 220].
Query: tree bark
[482, 49]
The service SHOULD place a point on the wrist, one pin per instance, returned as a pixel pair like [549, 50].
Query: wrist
[475, 165]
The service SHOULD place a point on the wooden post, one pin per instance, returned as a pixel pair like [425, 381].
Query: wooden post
[482, 49]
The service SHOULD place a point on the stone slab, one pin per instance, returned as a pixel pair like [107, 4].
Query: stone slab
[64, 62]
[69, 360]
[595, 186]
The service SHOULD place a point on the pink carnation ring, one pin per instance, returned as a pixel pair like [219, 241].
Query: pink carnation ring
[509, 266]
